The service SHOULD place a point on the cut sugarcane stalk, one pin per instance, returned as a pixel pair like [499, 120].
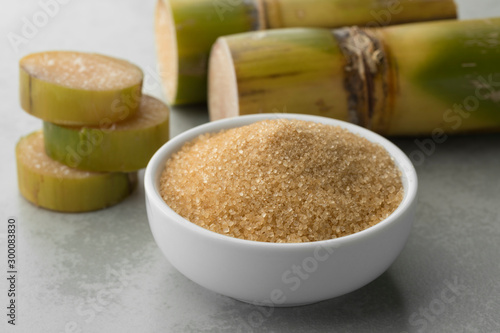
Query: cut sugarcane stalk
[74, 88]
[294, 70]
[185, 30]
[124, 146]
[52, 185]
[400, 80]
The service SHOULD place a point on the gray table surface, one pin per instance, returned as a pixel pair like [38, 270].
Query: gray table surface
[102, 271]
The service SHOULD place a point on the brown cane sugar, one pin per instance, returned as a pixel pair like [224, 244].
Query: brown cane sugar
[282, 181]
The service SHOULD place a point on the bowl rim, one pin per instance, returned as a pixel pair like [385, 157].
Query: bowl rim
[158, 160]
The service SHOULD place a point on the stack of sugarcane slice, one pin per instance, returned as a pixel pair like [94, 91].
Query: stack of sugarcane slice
[412, 79]
[99, 130]
[186, 30]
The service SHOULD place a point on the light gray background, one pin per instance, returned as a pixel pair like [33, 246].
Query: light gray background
[102, 272]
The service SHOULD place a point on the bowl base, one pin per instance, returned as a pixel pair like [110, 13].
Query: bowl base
[273, 305]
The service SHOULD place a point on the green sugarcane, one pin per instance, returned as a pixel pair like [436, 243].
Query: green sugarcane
[186, 29]
[400, 80]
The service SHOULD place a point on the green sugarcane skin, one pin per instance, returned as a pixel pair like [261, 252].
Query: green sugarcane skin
[67, 106]
[97, 149]
[448, 76]
[293, 70]
[194, 43]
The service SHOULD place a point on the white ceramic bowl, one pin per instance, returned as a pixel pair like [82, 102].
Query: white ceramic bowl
[270, 273]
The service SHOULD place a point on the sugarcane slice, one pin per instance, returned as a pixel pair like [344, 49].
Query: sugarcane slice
[75, 88]
[124, 146]
[52, 185]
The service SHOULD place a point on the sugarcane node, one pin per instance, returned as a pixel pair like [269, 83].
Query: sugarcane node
[364, 74]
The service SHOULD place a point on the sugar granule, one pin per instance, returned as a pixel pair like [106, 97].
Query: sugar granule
[282, 181]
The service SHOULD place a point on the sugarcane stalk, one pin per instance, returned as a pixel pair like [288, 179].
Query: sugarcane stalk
[186, 30]
[269, 72]
[400, 80]
[337, 13]
[446, 75]
[49, 184]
